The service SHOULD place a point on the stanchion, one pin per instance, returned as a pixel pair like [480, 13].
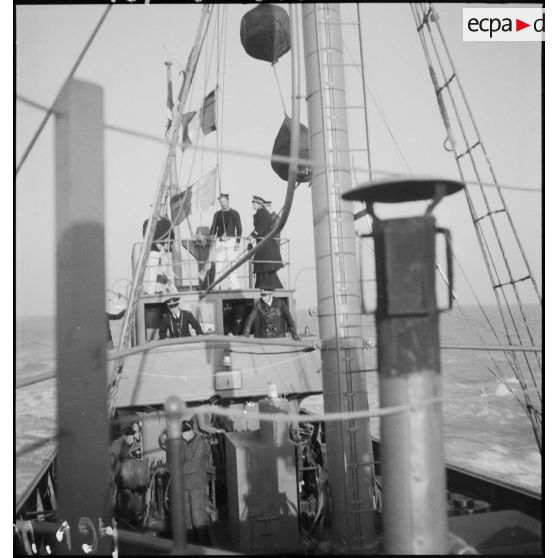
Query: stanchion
[412, 459]
[174, 411]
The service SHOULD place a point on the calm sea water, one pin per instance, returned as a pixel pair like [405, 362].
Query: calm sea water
[486, 429]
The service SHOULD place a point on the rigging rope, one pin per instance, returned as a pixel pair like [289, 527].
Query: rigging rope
[423, 17]
[281, 417]
[379, 108]
[286, 159]
[24, 382]
[381, 112]
[279, 88]
[68, 78]
[148, 238]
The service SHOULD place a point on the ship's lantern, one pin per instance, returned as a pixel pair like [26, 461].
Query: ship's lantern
[282, 147]
[264, 32]
[227, 360]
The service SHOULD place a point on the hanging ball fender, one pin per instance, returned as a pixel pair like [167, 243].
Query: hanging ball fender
[282, 147]
[264, 32]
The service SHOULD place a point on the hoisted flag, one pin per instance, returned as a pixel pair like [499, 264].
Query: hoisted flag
[170, 102]
[208, 120]
[197, 198]
[186, 119]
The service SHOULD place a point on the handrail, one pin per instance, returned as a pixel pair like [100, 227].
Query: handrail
[199, 252]
[29, 491]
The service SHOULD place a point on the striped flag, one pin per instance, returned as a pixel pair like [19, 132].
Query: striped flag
[197, 198]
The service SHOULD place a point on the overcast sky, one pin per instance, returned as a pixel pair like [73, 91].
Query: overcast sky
[502, 80]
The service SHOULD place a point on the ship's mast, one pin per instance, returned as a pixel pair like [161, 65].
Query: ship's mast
[339, 305]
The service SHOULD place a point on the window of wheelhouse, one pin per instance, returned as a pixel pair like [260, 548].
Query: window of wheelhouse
[203, 311]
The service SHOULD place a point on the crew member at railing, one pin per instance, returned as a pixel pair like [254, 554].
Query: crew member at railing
[274, 219]
[195, 468]
[177, 322]
[268, 260]
[159, 275]
[270, 317]
[129, 472]
[225, 227]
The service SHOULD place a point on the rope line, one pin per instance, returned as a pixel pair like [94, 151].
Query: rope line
[116, 355]
[286, 159]
[379, 108]
[461, 146]
[200, 376]
[282, 417]
[279, 88]
[50, 110]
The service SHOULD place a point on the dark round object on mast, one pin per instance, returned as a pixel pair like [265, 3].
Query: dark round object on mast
[282, 147]
[264, 32]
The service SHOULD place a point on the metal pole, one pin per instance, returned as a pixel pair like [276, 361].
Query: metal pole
[173, 409]
[412, 456]
[344, 384]
[83, 430]
[149, 233]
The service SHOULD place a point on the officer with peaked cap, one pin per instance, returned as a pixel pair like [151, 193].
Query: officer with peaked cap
[268, 260]
[177, 322]
[270, 317]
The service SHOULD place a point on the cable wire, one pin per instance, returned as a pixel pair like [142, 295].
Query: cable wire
[286, 159]
[50, 110]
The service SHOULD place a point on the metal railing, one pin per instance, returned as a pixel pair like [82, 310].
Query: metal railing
[194, 262]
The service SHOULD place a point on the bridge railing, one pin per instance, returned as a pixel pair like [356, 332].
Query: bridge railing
[194, 263]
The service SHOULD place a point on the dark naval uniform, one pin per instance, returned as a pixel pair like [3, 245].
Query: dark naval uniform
[268, 260]
[178, 327]
[270, 320]
[226, 222]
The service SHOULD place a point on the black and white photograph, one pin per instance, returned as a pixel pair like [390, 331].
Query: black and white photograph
[359, 184]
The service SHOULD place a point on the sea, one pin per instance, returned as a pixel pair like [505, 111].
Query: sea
[486, 429]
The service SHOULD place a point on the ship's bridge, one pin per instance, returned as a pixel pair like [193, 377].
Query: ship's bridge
[189, 266]
[221, 361]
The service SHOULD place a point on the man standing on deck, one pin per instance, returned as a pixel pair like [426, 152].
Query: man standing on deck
[177, 322]
[270, 317]
[268, 260]
[158, 268]
[227, 230]
[195, 468]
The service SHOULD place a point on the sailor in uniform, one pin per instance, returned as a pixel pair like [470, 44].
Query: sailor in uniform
[177, 322]
[227, 230]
